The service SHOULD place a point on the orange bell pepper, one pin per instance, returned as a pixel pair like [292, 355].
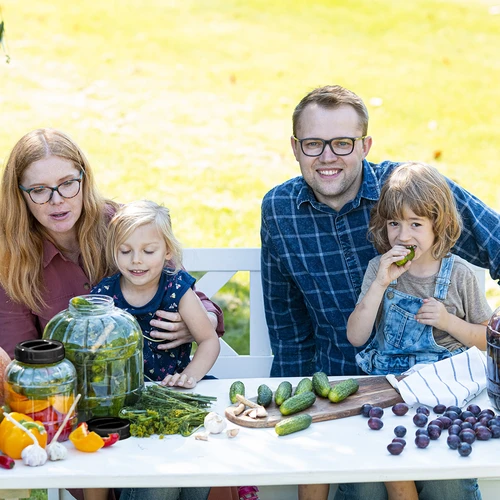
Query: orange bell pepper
[83, 440]
[14, 440]
[22, 404]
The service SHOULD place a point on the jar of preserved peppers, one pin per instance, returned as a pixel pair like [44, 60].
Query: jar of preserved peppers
[41, 383]
[105, 345]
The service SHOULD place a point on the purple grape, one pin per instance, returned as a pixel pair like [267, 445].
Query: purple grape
[464, 449]
[467, 436]
[466, 414]
[453, 441]
[424, 410]
[418, 432]
[451, 414]
[434, 431]
[474, 409]
[375, 423]
[399, 440]
[376, 411]
[457, 421]
[420, 420]
[400, 431]
[486, 412]
[395, 448]
[445, 421]
[484, 420]
[483, 433]
[454, 429]
[422, 441]
[400, 409]
[439, 409]
[472, 420]
[495, 431]
[466, 425]
[365, 410]
[493, 421]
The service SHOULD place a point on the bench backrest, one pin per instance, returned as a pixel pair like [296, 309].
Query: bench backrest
[220, 265]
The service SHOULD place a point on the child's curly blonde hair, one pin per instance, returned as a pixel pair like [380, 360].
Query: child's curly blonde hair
[423, 190]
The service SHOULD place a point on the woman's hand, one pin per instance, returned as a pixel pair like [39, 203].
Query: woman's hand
[174, 329]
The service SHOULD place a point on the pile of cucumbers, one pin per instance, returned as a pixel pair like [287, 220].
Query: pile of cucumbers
[303, 398]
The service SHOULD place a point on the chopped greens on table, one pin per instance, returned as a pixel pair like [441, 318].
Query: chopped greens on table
[162, 411]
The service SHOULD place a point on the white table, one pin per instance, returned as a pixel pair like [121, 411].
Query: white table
[344, 450]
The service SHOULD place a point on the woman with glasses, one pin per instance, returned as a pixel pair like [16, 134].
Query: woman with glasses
[53, 224]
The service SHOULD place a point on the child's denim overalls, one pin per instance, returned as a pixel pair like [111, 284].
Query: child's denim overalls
[400, 341]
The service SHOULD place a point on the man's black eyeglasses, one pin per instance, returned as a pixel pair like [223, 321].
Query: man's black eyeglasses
[340, 146]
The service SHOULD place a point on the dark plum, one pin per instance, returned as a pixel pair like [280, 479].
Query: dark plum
[399, 440]
[493, 421]
[466, 414]
[495, 431]
[454, 408]
[400, 409]
[457, 421]
[472, 419]
[424, 410]
[437, 422]
[422, 441]
[434, 431]
[400, 431]
[484, 420]
[376, 411]
[419, 419]
[375, 423]
[395, 448]
[451, 414]
[445, 421]
[467, 436]
[365, 410]
[486, 412]
[464, 449]
[474, 409]
[453, 441]
[420, 431]
[466, 425]
[439, 409]
[454, 429]
[483, 433]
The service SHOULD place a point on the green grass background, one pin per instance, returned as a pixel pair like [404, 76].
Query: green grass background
[189, 102]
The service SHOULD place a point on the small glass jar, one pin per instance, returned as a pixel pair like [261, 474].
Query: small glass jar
[41, 384]
[105, 345]
[493, 359]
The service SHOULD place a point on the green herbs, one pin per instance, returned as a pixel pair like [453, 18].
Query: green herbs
[162, 411]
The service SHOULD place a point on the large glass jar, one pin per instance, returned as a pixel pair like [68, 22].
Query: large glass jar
[41, 384]
[493, 358]
[105, 345]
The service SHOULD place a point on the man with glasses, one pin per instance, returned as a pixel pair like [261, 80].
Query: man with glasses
[315, 249]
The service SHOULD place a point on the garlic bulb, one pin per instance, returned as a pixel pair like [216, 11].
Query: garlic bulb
[214, 423]
[56, 451]
[34, 455]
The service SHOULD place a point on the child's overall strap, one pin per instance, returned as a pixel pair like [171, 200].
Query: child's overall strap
[443, 280]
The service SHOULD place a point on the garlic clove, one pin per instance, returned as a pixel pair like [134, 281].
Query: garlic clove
[202, 436]
[231, 433]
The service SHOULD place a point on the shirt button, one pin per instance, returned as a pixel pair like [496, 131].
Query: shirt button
[86, 286]
[390, 295]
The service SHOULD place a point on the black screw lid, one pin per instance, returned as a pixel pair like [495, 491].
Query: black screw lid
[39, 352]
[104, 426]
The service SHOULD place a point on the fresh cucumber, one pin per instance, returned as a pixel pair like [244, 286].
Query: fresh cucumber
[283, 392]
[293, 424]
[237, 387]
[321, 384]
[305, 385]
[264, 395]
[297, 403]
[343, 389]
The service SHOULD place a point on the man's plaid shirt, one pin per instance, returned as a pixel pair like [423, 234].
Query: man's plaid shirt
[314, 260]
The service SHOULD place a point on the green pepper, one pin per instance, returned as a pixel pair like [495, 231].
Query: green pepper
[408, 257]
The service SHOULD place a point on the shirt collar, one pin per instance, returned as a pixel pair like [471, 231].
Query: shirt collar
[369, 189]
[49, 252]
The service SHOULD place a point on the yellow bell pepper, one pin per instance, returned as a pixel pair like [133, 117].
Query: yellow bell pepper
[13, 440]
[22, 404]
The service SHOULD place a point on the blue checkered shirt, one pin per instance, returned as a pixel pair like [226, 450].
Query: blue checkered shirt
[314, 260]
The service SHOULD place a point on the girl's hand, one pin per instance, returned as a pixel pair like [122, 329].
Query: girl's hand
[387, 269]
[174, 329]
[433, 313]
[179, 380]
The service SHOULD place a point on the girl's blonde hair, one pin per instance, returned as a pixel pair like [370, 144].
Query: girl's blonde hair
[22, 236]
[423, 190]
[139, 213]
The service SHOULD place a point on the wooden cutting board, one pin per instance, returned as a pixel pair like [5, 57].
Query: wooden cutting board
[374, 390]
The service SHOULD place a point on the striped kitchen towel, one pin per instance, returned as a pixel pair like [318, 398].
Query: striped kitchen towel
[452, 381]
